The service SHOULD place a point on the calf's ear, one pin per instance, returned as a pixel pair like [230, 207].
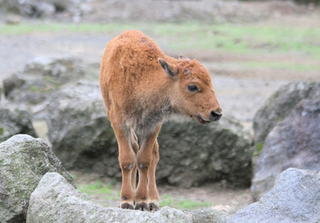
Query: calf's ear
[168, 68]
[183, 57]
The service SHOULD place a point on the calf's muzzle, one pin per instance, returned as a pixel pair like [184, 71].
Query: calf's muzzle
[215, 115]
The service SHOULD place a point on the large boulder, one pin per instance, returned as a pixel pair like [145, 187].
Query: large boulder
[15, 121]
[279, 106]
[41, 77]
[23, 162]
[217, 214]
[55, 200]
[57, 69]
[80, 133]
[190, 153]
[293, 142]
[294, 198]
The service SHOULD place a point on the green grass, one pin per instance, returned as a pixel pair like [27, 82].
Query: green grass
[279, 65]
[167, 200]
[97, 188]
[245, 38]
[259, 147]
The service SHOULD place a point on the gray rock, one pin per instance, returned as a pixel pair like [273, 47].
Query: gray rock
[23, 162]
[294, 198]
[41, 77]
[39, 8]
[31, 92]
[80, 132]
[9, 84]
[12, 19]
[59, 70]
[54, 200]
[209, 215]
[279, 105]
[14, 121]
[190, 153]
[293, 142]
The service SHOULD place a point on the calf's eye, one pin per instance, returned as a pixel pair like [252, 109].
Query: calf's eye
[193, 88]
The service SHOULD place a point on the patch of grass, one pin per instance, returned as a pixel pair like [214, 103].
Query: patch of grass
[167, 200]
[1, 131]
[244, 38]
[259, 147]
[233, 38]
[241, 38]
[97, 188]
[278, 119]
[34, 88]
[296, 67]
[52, 82]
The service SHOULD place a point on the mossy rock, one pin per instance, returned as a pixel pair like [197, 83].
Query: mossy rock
[15, 121]
[23, 162]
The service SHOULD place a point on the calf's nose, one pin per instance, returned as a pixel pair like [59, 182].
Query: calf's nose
[215, 116]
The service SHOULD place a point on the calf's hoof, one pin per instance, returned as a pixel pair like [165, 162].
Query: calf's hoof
[126, 206]
[154, 206]
[142, 206]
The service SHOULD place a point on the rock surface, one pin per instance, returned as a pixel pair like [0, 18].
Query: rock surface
[54, 200]
[294, 198]
[80, 132]
[38, 8]
[14, 121]
[157, 11]
[294, 142]
[279, 105]
[41, 77]
[60, 70]
[191, 153]
[83, 139]
[23, 162]
[210, 215]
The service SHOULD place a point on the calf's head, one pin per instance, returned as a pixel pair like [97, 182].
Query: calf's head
[192, 88]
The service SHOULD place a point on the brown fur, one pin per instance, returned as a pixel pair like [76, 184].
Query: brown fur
[139, 90]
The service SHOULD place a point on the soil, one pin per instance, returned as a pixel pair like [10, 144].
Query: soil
[216, 194]
[241, 91]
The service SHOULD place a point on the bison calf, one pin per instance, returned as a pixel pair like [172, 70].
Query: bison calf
[141, 85]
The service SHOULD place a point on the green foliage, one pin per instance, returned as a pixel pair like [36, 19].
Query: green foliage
[167, 200]
[1, 131]
[51, 83]
[259, 147]
[34, 88]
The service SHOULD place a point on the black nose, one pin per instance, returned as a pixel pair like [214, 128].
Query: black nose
[215, 116]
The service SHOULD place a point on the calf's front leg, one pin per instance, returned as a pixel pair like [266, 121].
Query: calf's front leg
[127, 159]
[153, 194]
[144, 162]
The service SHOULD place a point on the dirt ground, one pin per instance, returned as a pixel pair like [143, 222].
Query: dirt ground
[210, 195]
[240, 90]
